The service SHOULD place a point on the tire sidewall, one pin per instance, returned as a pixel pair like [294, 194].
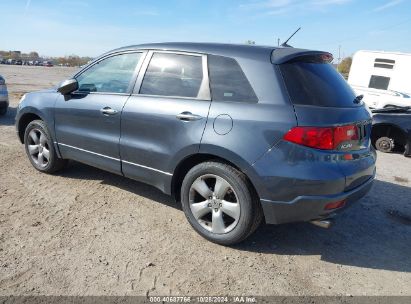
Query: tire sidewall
[244, 197]
[37, 124]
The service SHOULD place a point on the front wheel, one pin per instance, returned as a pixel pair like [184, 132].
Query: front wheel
[40, 149]
[220, 203]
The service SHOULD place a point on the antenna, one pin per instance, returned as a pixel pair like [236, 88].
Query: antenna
[285, 43]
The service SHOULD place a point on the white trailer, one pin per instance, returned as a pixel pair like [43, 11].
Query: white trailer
[384, 78]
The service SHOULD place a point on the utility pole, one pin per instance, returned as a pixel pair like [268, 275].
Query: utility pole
[278, 41]
[339, 58]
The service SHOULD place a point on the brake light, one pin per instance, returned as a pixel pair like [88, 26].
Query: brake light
[325, 138]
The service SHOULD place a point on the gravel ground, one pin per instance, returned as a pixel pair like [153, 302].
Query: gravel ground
[88, 232]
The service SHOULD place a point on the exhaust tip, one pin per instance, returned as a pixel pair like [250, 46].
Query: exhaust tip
[322, 223]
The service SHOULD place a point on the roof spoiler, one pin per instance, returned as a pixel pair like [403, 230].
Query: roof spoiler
[283, 55]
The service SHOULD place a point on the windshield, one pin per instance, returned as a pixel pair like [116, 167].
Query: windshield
[317, 84]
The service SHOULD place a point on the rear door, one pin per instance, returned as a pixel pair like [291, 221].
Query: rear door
[164, 119]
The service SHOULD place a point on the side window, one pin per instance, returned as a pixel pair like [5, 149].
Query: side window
[111, 75]
[228, 81]
[173, 75]
[379, 82]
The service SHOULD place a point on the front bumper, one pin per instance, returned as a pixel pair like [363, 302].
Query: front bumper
[307, 208]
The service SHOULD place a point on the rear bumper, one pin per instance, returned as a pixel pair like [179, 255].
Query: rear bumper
[306, 208]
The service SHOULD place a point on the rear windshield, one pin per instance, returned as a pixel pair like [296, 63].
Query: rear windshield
[317, 84]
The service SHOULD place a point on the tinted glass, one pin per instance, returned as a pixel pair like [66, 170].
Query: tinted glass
[173, 75]
[110, 75]
[228, 81]
[379, 82]
[317, 84]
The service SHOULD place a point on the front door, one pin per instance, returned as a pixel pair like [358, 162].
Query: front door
[87, 123]
[163, 121]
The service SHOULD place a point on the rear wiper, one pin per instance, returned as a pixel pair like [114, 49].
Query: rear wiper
[391, 109]
[358, 99]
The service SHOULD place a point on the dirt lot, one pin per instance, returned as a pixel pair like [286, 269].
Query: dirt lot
[88, 232]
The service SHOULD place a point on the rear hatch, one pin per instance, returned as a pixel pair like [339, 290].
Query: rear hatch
[330, 116]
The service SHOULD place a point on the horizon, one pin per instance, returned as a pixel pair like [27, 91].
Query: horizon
[90, 28]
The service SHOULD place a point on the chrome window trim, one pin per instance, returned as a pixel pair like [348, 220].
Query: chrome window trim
[133, 78]
[204, 91]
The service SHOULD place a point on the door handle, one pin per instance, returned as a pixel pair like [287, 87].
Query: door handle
[108, 111]
[188, 116]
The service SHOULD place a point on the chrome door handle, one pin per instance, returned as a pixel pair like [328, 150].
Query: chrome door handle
[108, 111]
[188, 116]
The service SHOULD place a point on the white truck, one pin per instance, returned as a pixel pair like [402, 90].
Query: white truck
[383, 78]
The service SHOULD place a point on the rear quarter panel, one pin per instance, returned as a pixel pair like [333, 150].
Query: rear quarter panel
[253, 127]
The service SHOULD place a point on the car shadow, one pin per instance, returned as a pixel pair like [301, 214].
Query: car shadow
[9, 118]
[78, 170]
[374, 233]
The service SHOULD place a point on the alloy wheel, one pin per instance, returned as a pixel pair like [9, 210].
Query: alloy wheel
[214, 204]
[38, 147]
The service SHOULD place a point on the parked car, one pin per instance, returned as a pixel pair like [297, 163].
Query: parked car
[239, 134]
[4, 96]
[47, 63]
[391, 129]
[382, 78]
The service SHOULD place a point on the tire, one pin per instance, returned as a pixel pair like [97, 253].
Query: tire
[384, 144]
[3, 111]
[40, 148]
[228, 210]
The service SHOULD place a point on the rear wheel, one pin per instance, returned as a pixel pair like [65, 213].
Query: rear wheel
[40, 149]
[219, 203]
[384, 144]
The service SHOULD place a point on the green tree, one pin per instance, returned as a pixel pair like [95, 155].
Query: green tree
[345, 66]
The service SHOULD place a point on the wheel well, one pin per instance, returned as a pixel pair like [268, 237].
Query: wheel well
[390, 131]
[23, 122]
[185, 165]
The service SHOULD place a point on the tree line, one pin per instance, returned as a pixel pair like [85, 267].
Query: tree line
[71, 60]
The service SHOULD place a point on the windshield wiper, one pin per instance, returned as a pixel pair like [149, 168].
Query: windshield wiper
[358, 99]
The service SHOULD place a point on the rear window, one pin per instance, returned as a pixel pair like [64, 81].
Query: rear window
[228, 81]
[316, 84]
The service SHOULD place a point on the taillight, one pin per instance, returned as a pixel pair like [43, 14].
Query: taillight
[325, 138]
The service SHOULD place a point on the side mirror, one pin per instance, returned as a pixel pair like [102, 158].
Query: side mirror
[68, 86]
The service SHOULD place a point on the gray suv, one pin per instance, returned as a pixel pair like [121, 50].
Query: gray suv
[239, 134]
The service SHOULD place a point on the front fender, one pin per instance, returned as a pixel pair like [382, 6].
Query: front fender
[40, 104]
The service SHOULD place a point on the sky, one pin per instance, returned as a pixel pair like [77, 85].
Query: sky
[92, 27]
